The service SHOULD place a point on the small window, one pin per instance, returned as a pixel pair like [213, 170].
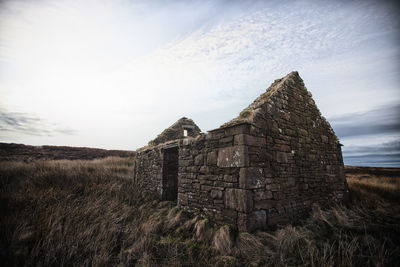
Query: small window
[184, 132]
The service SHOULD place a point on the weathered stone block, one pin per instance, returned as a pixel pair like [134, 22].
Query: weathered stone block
[238, 129]
[278, 195]
[260, 122]
[290, 132]
[230, 179]
[303, 186]
[291, 181]
[227, 139]
[215, 135]
[273, 127]
[251, 178]
[216, 194]
[262, 195]
[230, 185]
[219, 203]
[192, 168]
[185, 163]
[206, 187]
[234, 156]
[265, 204]
[302, 132]
[245, 139]
[212, 158]
[239, 199]
[198, 160]
[284, 148]
[255, 131]
[281, 157]
[204, 169]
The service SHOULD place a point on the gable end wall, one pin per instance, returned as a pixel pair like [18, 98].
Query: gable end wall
[297, 164]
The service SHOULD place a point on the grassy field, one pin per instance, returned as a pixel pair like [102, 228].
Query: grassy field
[88, 213]
[26, 153]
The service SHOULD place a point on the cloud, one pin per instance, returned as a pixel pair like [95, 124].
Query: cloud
[134, 67]
[373, 160]
[384, 154]
[383, 148]
[12, 123]
[379, 121]
[364, 134]
[227, 63]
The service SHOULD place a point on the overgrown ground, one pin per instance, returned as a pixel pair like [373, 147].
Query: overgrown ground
[84, 213]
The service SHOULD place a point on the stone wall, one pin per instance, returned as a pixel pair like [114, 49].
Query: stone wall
[152, 168]
[209, 168]
[265, 167]
[295, 157]
[149, 169]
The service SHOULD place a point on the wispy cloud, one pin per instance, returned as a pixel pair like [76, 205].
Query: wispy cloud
[126, 65]
[375, 160]
[16, 123]
[363, 135]
[385, 154]
[382, 120]
[227, 63]
[385, 148]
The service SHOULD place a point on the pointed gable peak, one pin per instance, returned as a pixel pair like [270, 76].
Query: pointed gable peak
[292, 79]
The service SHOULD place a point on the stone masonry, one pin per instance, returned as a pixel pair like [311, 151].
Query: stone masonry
[265, 167]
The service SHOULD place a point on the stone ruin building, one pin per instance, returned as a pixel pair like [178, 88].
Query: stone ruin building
[267, 166]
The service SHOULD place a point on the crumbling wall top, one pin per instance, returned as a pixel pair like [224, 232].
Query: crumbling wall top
[260, 105]
[249, 113]
[176, 131]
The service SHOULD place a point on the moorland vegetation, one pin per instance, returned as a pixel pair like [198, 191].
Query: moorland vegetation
[89, 213]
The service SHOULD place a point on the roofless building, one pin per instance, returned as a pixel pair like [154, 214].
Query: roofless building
[267, 166]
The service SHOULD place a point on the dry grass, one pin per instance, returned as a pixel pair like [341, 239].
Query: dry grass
[374, 187]
[20, 152]
[89, 213]
[60, 212]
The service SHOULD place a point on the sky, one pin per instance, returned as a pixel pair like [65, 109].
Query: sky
[114, 74]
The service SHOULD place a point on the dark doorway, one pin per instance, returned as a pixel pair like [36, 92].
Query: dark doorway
[170, 174]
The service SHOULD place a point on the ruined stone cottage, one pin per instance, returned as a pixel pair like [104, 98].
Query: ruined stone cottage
[267, 166]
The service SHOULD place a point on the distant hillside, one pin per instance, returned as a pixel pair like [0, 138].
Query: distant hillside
[378, 171]
[28, 153]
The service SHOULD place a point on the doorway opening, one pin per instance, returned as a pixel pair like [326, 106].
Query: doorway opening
[170, 174]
